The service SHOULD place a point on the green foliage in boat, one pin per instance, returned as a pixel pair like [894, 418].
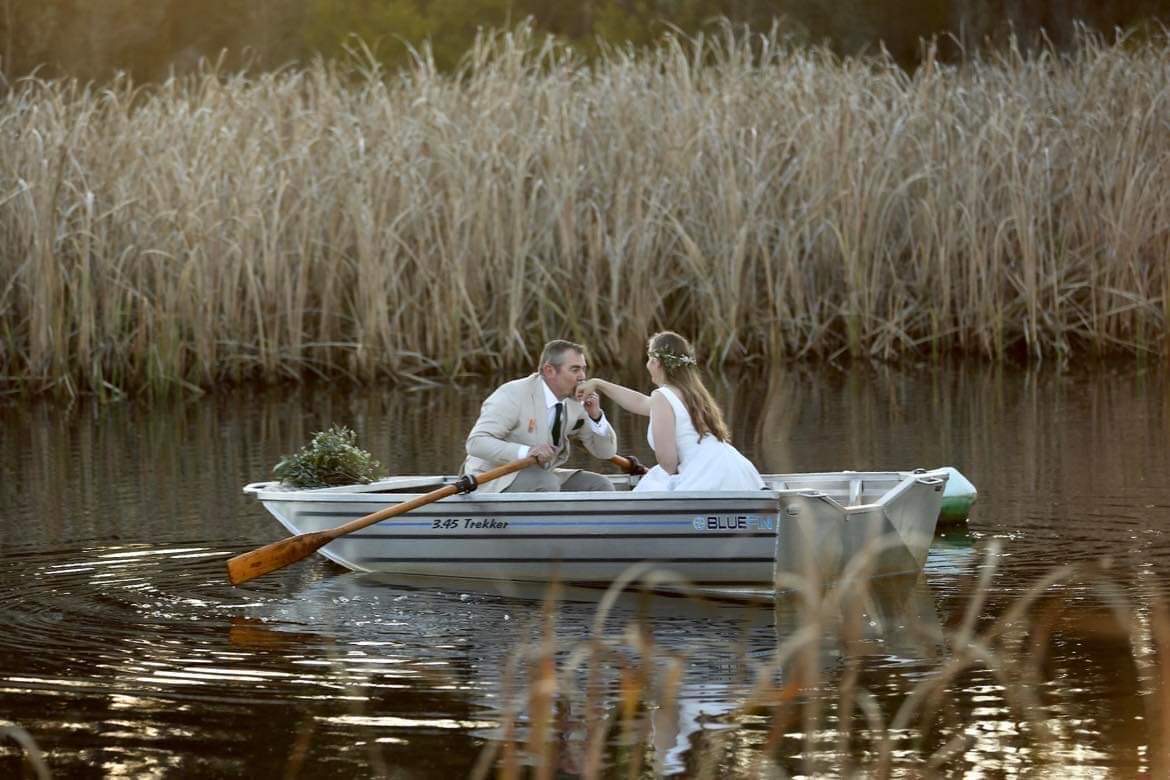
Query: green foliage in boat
[331, 458]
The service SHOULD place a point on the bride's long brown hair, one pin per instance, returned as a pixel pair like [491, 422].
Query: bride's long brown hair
[681, 372]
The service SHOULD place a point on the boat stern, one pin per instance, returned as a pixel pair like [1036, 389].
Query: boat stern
[818, 537]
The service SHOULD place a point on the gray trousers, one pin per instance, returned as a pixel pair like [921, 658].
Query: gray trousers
[535, 479]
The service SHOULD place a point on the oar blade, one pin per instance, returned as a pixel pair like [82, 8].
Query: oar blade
[270, 557]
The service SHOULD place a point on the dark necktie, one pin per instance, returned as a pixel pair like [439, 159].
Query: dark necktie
[556, 429]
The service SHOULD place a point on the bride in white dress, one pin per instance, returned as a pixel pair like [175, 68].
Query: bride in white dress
[687, 431]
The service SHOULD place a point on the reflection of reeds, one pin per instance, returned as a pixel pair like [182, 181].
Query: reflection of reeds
[843, 726]
[765, 199]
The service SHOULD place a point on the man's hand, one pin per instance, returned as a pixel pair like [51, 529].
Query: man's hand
[542, 452]
[592, 404]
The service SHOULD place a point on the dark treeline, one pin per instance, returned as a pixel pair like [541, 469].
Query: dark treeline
[150, 38]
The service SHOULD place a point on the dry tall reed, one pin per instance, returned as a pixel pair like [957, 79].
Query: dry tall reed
[768, 200]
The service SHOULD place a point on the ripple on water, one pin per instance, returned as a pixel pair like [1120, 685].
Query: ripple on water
[119, 619]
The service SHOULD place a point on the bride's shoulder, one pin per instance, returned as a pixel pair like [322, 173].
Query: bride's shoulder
[668, 394]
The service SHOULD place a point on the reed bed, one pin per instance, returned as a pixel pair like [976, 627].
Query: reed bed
[771, 201]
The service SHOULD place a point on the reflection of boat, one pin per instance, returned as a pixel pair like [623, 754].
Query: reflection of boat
[952, 554]
[799, 521]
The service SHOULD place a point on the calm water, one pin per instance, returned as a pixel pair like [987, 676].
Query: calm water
[124, 652]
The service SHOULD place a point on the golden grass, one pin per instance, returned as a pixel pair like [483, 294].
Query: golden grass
[769, 200]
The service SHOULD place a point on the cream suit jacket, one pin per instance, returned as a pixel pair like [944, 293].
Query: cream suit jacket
[515, 414]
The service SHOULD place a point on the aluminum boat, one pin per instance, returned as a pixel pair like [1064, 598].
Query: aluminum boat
[799, 524]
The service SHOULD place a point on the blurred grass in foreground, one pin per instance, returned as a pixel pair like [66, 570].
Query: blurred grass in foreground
[767, 200]
[992, 701]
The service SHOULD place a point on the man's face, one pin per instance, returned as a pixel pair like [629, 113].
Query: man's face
[563, 379]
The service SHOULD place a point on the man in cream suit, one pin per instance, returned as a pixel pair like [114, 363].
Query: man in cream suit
[538, 415]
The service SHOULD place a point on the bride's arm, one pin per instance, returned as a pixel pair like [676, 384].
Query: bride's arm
[662, 425]
[630, 400]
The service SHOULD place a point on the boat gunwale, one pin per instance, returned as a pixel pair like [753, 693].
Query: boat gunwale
[576, 497]
[265, 493]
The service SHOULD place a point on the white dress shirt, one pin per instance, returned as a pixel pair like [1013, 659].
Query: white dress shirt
[600, 427]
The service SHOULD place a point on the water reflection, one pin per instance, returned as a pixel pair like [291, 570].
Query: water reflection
[711, 650]
[123, 649]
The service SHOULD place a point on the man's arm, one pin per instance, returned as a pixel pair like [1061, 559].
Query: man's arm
[488, 440]
[601, 445]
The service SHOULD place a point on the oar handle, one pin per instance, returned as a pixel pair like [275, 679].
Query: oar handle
[628, 464]
[270, 557]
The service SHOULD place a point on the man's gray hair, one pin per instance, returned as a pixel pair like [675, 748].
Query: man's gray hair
[554, 352]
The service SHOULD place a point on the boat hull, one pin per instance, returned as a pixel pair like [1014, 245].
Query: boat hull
[721, 538]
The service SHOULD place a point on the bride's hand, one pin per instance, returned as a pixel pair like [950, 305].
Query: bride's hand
[586, 387]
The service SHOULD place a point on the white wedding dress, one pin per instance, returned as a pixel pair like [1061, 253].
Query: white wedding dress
[709, 464]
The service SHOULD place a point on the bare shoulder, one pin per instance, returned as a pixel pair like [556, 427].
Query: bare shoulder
[668, 394]
[660, 403]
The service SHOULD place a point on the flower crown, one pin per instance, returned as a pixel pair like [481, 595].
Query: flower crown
[671, 360]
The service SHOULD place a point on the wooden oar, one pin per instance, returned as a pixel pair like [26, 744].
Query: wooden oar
[270, 557]
[628, 464]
